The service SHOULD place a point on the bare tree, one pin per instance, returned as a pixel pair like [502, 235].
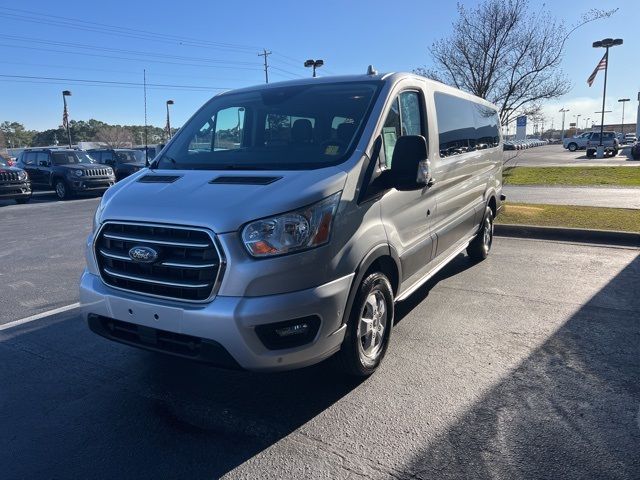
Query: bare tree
[504, 51]
[2, 142]
[115, 137]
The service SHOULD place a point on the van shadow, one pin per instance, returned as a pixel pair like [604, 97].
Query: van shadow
[569, 410]
[77, 406]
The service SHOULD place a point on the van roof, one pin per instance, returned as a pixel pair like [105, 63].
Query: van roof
[389, 77]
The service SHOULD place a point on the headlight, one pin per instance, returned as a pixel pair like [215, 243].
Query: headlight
[294, 231]
[74, 173]
[22, 176]
[96, 217]
[109, 171]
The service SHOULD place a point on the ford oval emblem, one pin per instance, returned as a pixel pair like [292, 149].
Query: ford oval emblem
[143, 254]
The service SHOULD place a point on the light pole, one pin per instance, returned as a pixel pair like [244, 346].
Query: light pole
[607, 43]
[65, 114]
[577, 117]
[169, 102]
[563, 111]
[315, 64]
[586, 122]
[623, 101]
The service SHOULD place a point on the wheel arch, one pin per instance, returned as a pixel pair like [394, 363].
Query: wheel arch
[382, 258]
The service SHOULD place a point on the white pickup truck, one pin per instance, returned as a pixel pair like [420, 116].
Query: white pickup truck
[578, 142]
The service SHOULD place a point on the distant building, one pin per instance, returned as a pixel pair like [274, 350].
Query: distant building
[616, 127]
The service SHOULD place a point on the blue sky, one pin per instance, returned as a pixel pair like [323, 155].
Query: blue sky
[348, 35]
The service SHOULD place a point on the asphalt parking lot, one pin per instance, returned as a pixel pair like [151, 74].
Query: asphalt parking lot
[526, 365]
[557, 156]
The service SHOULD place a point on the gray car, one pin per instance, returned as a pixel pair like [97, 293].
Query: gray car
[283, 222]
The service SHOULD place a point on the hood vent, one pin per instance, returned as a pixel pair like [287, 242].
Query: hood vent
[244, 180]
[158, 178]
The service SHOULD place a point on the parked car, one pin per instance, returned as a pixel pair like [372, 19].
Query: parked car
[14, 183]
[68, 172]
[123, 161]
[635, 151]
[630, 138]
[578, 142]
[609, 141]
[284, 231]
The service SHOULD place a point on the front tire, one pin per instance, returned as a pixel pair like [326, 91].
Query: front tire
[480, 246]
[369, 327]
[573, 147]
[62, 190]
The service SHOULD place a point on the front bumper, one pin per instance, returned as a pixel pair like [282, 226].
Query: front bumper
[15, 190]
[93, 185]
[227, 322]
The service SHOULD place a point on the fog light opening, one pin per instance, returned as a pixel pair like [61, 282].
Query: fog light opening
[298, 329]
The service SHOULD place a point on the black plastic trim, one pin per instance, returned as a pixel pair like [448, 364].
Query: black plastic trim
[244, 180]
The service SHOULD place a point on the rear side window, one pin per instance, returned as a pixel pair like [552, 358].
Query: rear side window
[465, 126]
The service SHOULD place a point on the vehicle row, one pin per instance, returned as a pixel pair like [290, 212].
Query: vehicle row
[67, 172]
[524, 144]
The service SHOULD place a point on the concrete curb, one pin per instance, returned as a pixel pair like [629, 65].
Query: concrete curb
[605, 237]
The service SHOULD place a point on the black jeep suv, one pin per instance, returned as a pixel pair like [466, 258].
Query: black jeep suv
[124, 161]
[14, 183]
[68, 172]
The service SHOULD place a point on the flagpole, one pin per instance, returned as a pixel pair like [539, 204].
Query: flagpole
[604, 95]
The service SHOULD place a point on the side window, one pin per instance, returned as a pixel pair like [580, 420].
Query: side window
[464, 125]
[106, 156]
[42, 157]
[456, 124]
[229, 128]
[97, 156]
[30, 158]
[404, 118]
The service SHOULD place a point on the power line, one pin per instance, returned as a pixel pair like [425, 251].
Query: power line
[96, 27]
[67, 52]
[112, 82]
[119, 50]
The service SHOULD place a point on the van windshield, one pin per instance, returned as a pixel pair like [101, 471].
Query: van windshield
[284, 128]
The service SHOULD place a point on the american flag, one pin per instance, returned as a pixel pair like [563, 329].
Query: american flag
[601, 66]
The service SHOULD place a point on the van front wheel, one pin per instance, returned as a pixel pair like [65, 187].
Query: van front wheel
[480, 246]
[369, 327]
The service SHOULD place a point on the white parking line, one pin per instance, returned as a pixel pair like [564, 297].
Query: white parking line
[38, 316]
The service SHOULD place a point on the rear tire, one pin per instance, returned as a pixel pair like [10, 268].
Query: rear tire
[480, 246]
[369, 327]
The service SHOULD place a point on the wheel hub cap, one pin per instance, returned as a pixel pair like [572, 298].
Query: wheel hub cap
[372, 325]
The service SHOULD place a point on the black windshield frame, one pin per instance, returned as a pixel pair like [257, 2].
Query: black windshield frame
[178, 155]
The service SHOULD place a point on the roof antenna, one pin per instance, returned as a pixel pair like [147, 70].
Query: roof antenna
[371, 70]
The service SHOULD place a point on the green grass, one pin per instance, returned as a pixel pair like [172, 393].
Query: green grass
[594, 218]
[583, 176]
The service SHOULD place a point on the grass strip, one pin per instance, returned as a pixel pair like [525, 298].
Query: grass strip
[595, 218]
[574, 176]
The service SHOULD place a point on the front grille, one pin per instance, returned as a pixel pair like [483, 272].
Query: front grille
[96, 172]
[187, 267]
[9, 177]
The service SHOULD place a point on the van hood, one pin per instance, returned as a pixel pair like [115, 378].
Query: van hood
[193, 200]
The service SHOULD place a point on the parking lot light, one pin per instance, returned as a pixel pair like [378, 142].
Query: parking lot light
[563, 111]
[315, 64]
[168, 127]
[606, 43]
[623, 101]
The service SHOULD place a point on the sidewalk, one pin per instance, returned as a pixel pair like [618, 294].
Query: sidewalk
[614, 197]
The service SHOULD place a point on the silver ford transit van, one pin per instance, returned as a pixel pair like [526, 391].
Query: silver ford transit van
[283, 222]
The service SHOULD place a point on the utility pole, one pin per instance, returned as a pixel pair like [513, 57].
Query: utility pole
[146, 137]
[265, 53]
[563, 111]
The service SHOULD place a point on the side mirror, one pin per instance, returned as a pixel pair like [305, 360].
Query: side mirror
[410, 167]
